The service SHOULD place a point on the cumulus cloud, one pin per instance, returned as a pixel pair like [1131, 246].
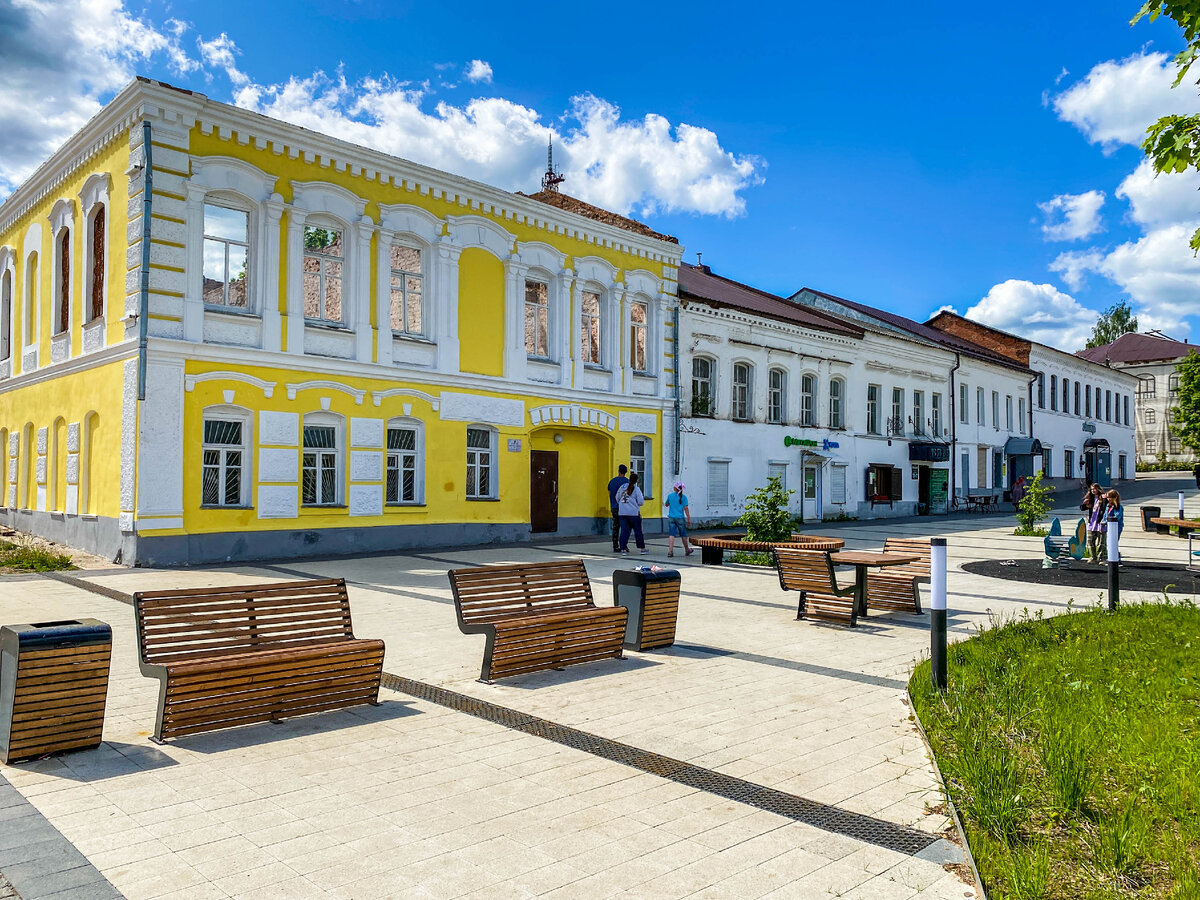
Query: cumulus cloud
[1167, 199]
[626, 165]
[1040, 312]
[221, 53]
[64, 59]
[1118, 100]
[1072, 217]
[478, 72]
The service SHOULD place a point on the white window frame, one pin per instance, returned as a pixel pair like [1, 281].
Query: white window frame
[328, 224]
[711, 381]
[6, 305]
[31, 295]
[873, 391]
[233, 203]
[93, 200]
[935, 412]
[404, 275]
[243, 417]
[394, 460]
[808, 400]
[996, 410]
[1021, 415]
[644, 328]
[337, 453]
[587, 322]
[898, 410]
[777, 397]
[59, 281]
[1008, 412]
[963, 413]
[473, 463]
[643, 464]
[980, 407]
[918, 412]
[837, 400]
[741, 408]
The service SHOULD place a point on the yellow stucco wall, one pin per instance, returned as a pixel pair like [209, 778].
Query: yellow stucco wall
[481, 312]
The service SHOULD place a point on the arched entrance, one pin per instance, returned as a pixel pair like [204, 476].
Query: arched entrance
[568, 474]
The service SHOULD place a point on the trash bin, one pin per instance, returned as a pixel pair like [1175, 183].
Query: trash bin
[53, 686]
[1148, 513]
[651, 594]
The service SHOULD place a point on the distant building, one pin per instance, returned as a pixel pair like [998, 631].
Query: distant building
[1152, 359]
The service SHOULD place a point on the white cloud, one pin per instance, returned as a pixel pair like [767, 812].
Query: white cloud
[1071, 217]
[1118, 100]
[478, 72]
[1166, 199]
[63, 59]
[1074, 266]
[221, 53]
[1040, 312]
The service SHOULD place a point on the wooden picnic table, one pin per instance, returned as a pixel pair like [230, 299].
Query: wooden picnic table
[862, 560]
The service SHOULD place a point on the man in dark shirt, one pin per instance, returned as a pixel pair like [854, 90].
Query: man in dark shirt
[613, 486]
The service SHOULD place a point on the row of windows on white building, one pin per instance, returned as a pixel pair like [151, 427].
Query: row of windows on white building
[1083, 400]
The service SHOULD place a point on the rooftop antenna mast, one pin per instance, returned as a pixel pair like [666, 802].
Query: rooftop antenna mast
[551, 180]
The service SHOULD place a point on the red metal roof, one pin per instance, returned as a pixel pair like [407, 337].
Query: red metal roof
[1133, 347]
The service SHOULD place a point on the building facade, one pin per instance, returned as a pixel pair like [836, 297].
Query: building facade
[229, 338]
[1152, 359]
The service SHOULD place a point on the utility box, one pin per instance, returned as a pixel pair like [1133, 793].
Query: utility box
[651, 595]
[53, 687]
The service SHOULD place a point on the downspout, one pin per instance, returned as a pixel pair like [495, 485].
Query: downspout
[953, 430]
[678, 421]
[144, 298]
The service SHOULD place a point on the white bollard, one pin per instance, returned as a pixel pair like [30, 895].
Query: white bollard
[1181, 495]
[937, 612]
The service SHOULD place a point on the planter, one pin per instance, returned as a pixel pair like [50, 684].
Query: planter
[713, 547]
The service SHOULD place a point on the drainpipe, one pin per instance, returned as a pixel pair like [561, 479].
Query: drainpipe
[144, 299]
[953, 430]
[678, 375]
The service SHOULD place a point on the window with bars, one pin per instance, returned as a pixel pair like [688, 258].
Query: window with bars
[639, 320]
[537, 319]
[223, 456]
[324, 271]
[62, 318]
[703, 395]
[481, 464]
[808, 400]
[837, 388]
[96, 284]
[639, 461]
[742, 385]
[589, 337]
[319, 475]
[403, 465]
[227, 255]
[407, 290]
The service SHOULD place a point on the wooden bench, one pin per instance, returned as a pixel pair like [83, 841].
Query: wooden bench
[1184, 526]
[713, 547]
[229, 656]
[536, 616]
[896, 587]
[811, 573]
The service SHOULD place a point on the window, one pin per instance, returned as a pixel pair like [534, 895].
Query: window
[96, 279]
[324, 263]
[1099, 398]
[884, 482]
[1173, 384]
[1151, 416]
[638, 321]
[320, 480]
[1021, 414]
[1176, 445]
[896, 424]
[1172, 415]
[1107, 405]
[1121, 473]
[1152, 445]
[1041, 397]
[1008, 413]
[837, 483]
[996, 410]
[1054, 393]
[639, 461]
[223, 461]
[5, 314]
[537, 319]
[918, 412]
[31, 299]
[702, 386]
[979, 414]
[226, 257]
[935, 409]
[1047, 464]
[777, 397]
[481, 463]
[408, 289]
[1069, 463]
[1087, 402]
[1077, 398]
[836, 388]
[872, 409]
[778, 470]
[589, 348]
[403, 480]
[808, 399]
[1066, 396]
[742, 387]
[62, 282]
[718, 482]
[1126, 409]
[1145, 386]
[962, 404]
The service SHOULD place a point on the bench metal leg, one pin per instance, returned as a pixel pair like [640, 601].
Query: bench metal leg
[712, 556]
[800, 606]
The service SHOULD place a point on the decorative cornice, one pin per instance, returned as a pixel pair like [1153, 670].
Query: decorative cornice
[294, 389]
[267, 387]
[377, 397]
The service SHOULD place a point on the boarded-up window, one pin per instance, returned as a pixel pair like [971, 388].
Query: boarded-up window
[837, 484]
[96, 309]
[718, 482]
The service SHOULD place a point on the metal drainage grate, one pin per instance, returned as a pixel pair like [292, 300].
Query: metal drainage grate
[820, 815]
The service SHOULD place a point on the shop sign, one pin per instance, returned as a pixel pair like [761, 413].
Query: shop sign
[1089, 427]
[789, 441]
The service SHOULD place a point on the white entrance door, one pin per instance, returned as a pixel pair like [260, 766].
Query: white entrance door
[811, 492]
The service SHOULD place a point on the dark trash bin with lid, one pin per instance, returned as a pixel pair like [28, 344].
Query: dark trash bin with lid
[651, 594]
[53, 686]
[1148, 513]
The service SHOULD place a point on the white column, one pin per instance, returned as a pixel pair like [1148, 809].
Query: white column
[445, 303]
[193, 299]
[295, 280]
[514, 319]
[268, 291]
[383, 300]
[361, 295]
[622, 370]
[570, 325]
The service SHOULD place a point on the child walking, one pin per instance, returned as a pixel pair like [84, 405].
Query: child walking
[679, 519]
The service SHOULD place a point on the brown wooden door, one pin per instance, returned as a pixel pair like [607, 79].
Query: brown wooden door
[543, 491]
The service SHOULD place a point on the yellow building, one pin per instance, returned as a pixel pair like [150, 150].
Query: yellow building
[226, 337]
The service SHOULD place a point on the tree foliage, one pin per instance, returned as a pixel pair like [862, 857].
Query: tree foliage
[766, 516]
[1187, 418]
[1173, 142]
[1113, 322]
[1034, 506]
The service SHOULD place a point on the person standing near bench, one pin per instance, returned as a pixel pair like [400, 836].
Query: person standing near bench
[679, 519]
[614, 485]
[1097, 525]
[630, 502]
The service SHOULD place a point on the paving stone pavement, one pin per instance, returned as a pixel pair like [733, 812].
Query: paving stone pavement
[417, 798]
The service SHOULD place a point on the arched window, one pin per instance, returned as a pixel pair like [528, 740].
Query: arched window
[1145, 386]
[227, 255]
[29, 314]
[1151, 417]
[537, 319]
[225, 454]
[703, 388]
[407, 290]
[321, 471]
[837, 391]
[5, 315]
[96, 254]
[743, 388]
[324, 270]
[62, 282]
[590, 328]
[405, 462]
[481, 463]
[808, 396]
[639, 324]
[88, 438]
[777, 397]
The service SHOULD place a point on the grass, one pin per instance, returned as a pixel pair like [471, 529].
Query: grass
[25, 557]
[1022, 531]
[1071, 746]
[750, 557]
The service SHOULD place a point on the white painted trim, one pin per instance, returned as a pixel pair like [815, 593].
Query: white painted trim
[377, 397]
[402, 219]
[293, 389]
[476, 231]
[267, 387]
[572, 414]
[75, 364]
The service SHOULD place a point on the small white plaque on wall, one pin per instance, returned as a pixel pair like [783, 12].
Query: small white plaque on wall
[514, 445]
[366, 499]
[485, 410]
[278, 501]
[277, 465]
[366, 432]
[279, 428]
[637, 423]
[366, 465]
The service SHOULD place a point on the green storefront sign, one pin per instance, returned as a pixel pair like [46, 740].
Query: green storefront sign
[939, 484]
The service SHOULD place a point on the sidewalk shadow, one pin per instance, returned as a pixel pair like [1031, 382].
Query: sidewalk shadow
[112, 759]
[581, 672]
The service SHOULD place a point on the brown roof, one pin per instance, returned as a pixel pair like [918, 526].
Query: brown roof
[700, 284]
[1135, 348]
[570, 204]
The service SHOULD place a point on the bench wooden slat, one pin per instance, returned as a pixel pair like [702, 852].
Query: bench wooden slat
[896, 587]
[811, 573]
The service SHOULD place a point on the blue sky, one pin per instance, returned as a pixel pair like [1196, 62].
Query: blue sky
[907, 159]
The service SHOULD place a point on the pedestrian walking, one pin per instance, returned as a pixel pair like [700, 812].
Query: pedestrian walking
[629, 503]
[1116, 512]
[1196, 474]
[1097, 525]
[1018, 492]
[614, 485]
[679, 520]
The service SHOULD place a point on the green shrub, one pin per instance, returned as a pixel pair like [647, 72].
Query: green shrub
[766, 516]
[1034, 506]
[33, 559]
[751, 557]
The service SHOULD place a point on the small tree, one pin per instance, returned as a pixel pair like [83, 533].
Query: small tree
[1034, 506]
[1187, 417]
[766, 516]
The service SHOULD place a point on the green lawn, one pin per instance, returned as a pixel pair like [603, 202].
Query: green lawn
[1071, 746]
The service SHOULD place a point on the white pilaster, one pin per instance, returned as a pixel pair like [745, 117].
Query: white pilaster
[570, 323]
[193, 297]
[361, 296]
[295, 280]
[268, 292]
[444, 303]
[383, 298]
[514, 319]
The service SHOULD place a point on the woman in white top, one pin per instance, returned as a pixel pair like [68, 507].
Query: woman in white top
[629, 504]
